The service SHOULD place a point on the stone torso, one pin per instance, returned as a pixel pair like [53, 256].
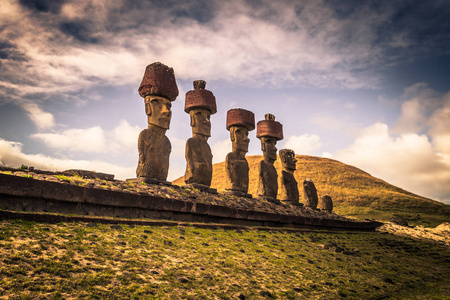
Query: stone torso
[236, 168]
[267, 181]
[198, 162]
[289, 188]
[154, 151]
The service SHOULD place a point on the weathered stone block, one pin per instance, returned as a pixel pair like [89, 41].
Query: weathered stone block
[63, 192]
[20, 186]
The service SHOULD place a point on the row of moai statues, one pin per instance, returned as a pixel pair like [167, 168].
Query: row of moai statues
[159, 90]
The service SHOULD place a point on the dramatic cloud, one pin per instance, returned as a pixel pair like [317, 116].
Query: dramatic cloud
[305, 144]
[66, 47]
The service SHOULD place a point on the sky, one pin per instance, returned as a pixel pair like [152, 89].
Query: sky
[362, 82]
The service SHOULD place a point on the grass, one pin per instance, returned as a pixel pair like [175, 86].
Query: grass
[87, 261]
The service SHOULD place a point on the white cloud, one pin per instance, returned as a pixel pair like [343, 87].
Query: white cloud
[91, 140]
[305, 144]
[11, 155]
[125, 135]
[220, 150]
[419, 102]
[439, 124]
[408, 161]
[42, 119]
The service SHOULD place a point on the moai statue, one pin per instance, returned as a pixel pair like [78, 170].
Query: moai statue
[269, 132]
[239, 123]
[326, 204]
[159, 89]
[200, 104]
[310, 194]
[289, 188]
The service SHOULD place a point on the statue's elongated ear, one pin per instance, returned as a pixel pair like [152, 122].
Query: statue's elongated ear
[232, 133]
[148, 107]
[192, 114]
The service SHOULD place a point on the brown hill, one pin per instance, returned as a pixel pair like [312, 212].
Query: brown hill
[354, 192]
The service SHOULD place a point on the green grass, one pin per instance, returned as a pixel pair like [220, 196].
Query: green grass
[74, 260]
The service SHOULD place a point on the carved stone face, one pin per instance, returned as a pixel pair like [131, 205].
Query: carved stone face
[158, 110]
[268, 146]
[239, 137]
[288, 160]
[200, 121]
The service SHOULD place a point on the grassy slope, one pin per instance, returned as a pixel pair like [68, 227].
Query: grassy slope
[354, 192]
[76, 261]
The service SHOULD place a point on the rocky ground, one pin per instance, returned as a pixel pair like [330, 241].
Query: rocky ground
[173, 192]
[440, 234]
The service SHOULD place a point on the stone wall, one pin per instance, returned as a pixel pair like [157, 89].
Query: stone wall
[27, 194]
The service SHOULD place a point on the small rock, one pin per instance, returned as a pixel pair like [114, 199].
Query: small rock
[205, 244]
[241, 296]
[338, 250]
[265, 294]
[183, 280]
[388, 280]
[242, 250]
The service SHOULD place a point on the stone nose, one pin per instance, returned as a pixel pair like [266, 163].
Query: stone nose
[165, 110]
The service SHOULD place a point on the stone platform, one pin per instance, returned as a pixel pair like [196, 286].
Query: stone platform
[34, 192]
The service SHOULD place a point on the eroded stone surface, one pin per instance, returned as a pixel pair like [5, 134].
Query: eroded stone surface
[289, 188]
[198, 162]
[158, 88]
[269, 132]
[200, 104]
[154, 152]
[310, 194]
[326, 204]
[239, 123]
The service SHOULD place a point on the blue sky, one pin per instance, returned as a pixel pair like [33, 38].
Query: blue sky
[363, 82]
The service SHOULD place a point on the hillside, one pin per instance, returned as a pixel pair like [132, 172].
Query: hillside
[354, 192]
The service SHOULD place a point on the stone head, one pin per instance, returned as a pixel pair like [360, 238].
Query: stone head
[158, 110]
[239, 138]
[201, 121]
[288, 160]
[269, 149]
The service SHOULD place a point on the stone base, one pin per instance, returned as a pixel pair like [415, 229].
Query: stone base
[200, 187]
[238, 193]
[270, 199]
[149, 181]
[290, 202]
